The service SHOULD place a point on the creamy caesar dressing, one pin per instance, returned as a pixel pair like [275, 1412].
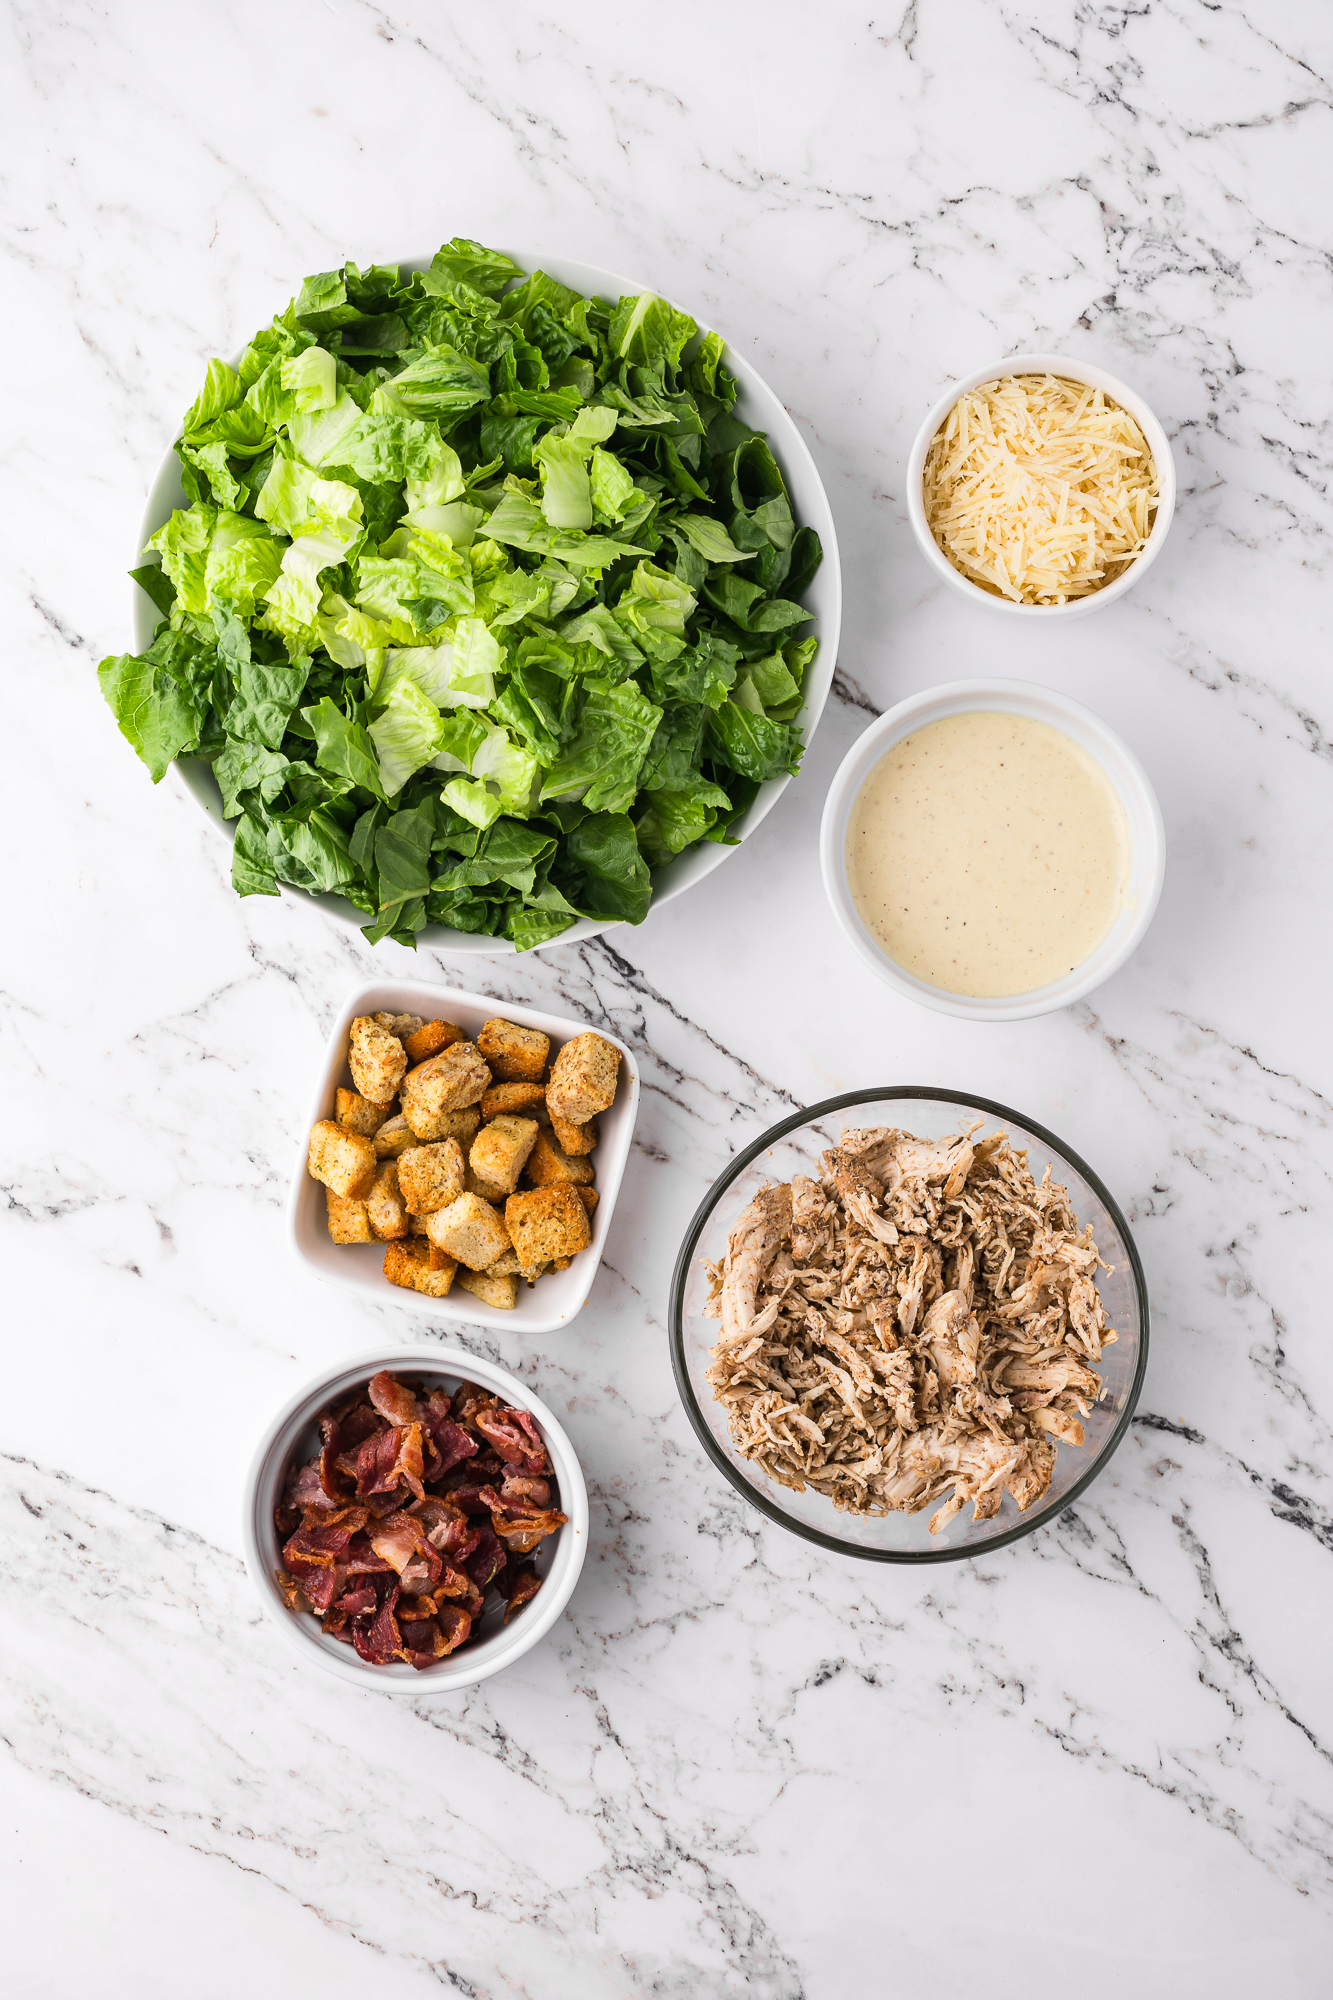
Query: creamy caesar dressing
[987, 854]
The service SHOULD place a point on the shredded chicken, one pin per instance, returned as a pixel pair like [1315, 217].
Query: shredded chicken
[917, 1325]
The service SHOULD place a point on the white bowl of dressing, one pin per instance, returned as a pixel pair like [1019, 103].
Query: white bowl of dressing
[1057, 854]
[1064, 366]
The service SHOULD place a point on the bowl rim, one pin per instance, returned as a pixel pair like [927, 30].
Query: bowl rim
[685, 1388]
[1004, 696]
[194, 775]
[1098, 377]
[446, 1360]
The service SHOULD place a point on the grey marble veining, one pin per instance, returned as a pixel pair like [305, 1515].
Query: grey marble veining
[1099, 1761]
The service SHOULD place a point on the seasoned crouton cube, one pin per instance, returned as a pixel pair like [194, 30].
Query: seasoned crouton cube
[447, 1082]
[409, 1265]
[492, 1291]
[548, 1164]
[574, 1138]
[513, 1100]
[394, 1137]
[545, 1223]
[430, 1039]
[515, 1054]
[583, 1078]
[431, 1176]
[438, 1260]
[385, 1205]
[401, 1025]
[507, 1266]
[500, 1151]
[470, 1230]
[343, 1160]
[377, 1059]
[460, 1125]
[348, 1221]
[358, 1114]
[474, 1184]
[589, 1197]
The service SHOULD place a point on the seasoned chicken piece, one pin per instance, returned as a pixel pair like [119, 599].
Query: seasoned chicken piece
[959, 1170]
[909, 1304]
[953, 1338]
[810, 1226]
[751, 1248]
[861, 1192]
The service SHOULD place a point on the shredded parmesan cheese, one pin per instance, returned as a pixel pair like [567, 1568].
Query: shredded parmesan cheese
[1039, 489]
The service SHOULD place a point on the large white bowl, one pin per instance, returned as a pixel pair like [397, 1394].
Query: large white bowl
[758, 406]
[293, 1436]
[1077, 371]
[556, 1298]
[1127, 777]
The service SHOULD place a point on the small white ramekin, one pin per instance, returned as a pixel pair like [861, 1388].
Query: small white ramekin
[293, 1436]
[1077, 371]
[1129, 780]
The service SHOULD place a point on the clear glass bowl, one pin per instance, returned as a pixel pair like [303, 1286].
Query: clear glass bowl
[794, 1146]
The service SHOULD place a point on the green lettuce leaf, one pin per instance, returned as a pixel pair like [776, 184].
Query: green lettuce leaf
[342, 747]
[751, 744]
[602, 763]
[604, 874]
[406, 734]
[650, 332]
[154, 699]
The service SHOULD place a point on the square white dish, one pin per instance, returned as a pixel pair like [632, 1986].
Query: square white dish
[557, 1297]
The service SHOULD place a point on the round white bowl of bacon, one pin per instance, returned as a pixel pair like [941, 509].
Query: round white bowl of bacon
[408, 1538]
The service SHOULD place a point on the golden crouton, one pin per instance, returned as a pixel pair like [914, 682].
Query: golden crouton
[546, 1223]
[514, 1053]
[394, 1137]
[507, 1266]
[358, 1114]
[470, 1230]
[430, 1039]
[460, 1125]
[513, 1100]
[474, 1184]
[547, 1164]
[492, 1291]
[385, 1205]
[500, 1151]
[401, 1025]
[589, 1197]
[447, 1082]
[583, 1078]
[572, 1138]
[377, 1059]
[430, 1177]
[409, 1265]
[438, 1260]
[343, 1160]
[348, 1221]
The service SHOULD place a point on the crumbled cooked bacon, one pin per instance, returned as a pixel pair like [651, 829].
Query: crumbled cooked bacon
[513, 1435]
[393, 1400]
[415, 1507]
[916, 1324]
[519, 1586]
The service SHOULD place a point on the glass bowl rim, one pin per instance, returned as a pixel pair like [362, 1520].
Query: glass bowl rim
[685, 1388]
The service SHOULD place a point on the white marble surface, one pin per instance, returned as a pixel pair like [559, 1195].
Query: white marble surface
[1101, 1761]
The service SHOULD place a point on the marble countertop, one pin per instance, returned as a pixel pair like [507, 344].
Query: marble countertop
[737, 1765]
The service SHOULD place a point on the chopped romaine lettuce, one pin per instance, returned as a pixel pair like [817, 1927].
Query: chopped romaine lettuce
[485, 603]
